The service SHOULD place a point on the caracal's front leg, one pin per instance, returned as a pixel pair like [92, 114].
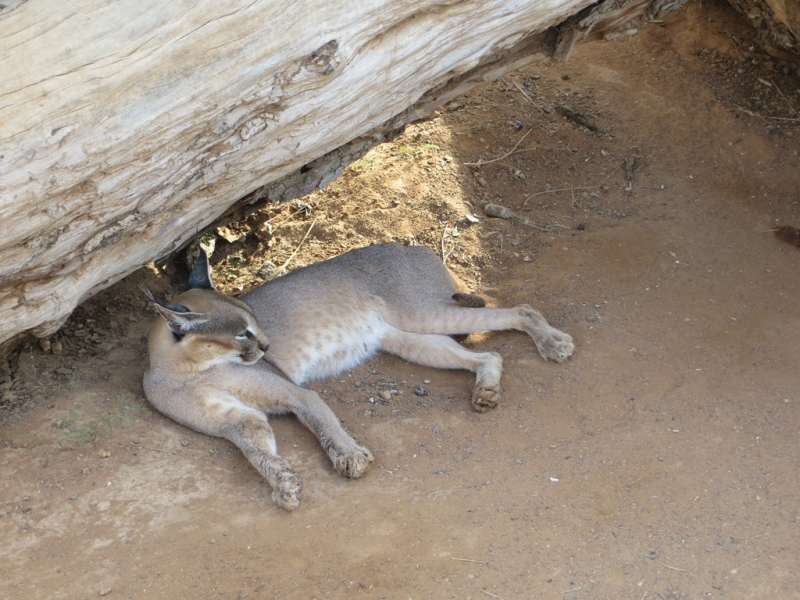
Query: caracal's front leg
[250, 431]
[270, 392]
[348, 458]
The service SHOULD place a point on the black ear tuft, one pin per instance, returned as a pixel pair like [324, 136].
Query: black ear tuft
[177, 308]
[200, 277]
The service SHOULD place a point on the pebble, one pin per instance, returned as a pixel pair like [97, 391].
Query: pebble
[268, 269]
[56, 347]
[385, 394]
[497, 211]
[421, 391]
[105, 591]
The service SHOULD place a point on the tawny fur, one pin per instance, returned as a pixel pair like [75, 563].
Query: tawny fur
[206, 373]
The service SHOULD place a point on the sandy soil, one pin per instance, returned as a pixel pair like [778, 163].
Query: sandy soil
[661, 461]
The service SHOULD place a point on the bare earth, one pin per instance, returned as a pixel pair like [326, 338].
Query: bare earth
[661, 461]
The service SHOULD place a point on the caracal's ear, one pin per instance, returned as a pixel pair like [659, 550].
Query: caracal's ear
[200, 277]
[179, 318]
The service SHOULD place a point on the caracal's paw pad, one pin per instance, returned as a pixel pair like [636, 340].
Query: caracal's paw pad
[555, 345]
[353, 463]
[288, 492]
[485, 398]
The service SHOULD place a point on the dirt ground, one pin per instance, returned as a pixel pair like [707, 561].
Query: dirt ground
[645, 177]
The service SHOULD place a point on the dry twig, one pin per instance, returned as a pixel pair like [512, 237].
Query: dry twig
[572, 189]
[744, 539]
[673, 568]
[789, 104]
[282, 269]
[446, 255]
[509, 153]
[753, 114]
[70, 475]
[154, 449]
[480, 562]
[635, 481]
[527, 97]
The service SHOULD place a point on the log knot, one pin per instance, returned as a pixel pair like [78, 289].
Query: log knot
[324, 59]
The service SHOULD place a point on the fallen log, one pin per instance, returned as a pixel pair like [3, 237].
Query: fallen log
[128, 126]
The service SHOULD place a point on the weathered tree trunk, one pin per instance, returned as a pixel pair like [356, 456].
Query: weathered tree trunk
[127, 126]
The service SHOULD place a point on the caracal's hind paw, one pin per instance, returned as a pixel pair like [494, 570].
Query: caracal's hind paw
[484, 398]
[352, 464]
[555, 345]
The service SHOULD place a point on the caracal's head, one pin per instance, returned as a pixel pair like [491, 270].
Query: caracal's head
[207, 327]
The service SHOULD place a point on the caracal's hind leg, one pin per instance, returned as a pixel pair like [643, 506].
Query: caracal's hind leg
[551, 343]
[442, 352]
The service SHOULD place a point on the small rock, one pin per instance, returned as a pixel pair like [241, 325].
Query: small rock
[228, 235]
[103, 453]
[26, 365]
[105, 591]
[421, 391]
[267, 269]
[45, 345]
[57, 347]
[437, 430]
[497, 211]
[385, 394]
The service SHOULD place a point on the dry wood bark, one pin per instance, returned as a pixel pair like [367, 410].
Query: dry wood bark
[128, 126]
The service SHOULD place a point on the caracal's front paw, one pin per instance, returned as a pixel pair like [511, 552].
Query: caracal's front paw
[484, 398]
[352, 463]
[555, 345]
[288, 491]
